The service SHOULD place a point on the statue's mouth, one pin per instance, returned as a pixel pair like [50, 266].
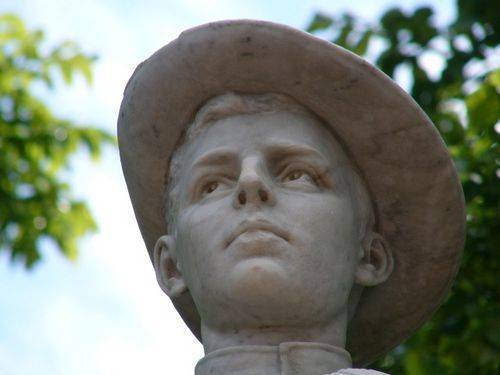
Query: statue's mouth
[257, 225]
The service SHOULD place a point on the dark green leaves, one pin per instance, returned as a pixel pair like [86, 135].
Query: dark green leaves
[319, 22]
[483, 106]
[35, 203]
[346, 31]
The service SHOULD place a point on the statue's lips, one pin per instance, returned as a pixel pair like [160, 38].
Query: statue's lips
[249, 227]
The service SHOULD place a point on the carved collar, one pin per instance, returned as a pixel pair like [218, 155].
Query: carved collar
[289, 358]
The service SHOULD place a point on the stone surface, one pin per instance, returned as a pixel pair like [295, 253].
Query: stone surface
[284, 359]
[270, 235]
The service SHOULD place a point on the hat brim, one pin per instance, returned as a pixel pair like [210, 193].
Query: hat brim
[418, 198]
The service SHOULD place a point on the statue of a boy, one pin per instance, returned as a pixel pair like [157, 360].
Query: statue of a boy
[299, 208]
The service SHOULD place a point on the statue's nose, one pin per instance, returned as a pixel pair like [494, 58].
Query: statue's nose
[254, 187]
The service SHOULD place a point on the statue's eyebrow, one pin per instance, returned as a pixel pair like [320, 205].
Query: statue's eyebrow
[281, 150]
[220, 156]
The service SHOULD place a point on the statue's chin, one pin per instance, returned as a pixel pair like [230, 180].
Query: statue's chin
[262, 284]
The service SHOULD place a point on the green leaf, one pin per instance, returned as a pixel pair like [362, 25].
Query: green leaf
[319, 22]
[494, 79]
[362, 45]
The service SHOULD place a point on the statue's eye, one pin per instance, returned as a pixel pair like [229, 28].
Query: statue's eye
[298, 175]
[210, 188]
[295, 175]
[213, 186]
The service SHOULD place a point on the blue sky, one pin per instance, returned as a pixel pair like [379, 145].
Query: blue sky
[105, 313]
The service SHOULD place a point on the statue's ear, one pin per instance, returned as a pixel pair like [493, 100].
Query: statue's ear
[168, 272]
[376, 262]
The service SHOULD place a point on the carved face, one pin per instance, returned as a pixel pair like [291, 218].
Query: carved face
[266, 231]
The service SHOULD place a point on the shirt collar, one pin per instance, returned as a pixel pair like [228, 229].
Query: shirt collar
[288, 358]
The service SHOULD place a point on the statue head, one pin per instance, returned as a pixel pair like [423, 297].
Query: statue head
[270, 224]
[288, 190]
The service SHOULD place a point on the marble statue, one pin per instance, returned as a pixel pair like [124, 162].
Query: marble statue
[299, 209]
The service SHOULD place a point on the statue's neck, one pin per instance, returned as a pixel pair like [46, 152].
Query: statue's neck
[288, 358]
[332, 333]
[274, 350]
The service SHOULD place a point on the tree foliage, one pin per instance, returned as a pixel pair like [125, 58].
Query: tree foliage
[36, 145]
[463, 101]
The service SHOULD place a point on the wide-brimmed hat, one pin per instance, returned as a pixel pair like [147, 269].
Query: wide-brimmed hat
[416, 192]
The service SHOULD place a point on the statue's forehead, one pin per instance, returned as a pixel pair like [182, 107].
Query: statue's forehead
[256, 132]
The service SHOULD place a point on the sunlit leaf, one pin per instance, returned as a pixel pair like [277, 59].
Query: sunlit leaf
[36, 145]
